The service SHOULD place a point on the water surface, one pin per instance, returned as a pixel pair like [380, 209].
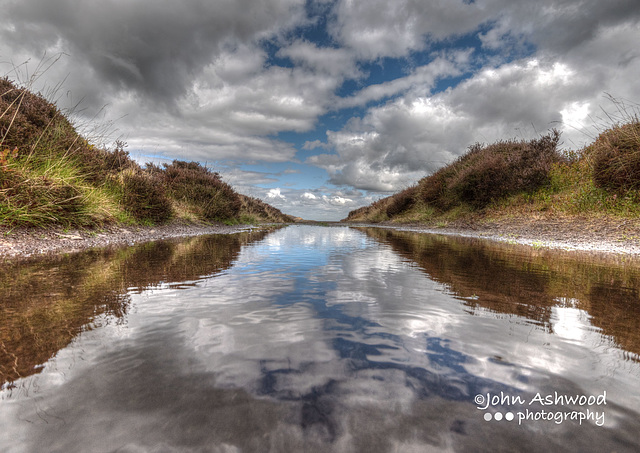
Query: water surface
[320, 339]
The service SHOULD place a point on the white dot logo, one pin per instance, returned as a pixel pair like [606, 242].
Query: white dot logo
[498, 416]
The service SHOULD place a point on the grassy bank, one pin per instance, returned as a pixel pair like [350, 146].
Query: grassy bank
[524, 179]
[51, 175]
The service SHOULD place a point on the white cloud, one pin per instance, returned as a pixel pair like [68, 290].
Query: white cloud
[422, 80]
[313, 145]
[275, 193]
[377, 28]
[328, 61]
[336, 200]
[392, 146]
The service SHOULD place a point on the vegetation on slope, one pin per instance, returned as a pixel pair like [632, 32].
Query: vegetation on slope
[51, 175]
[524, 178]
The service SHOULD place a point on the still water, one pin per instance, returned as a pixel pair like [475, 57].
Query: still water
[320, 339]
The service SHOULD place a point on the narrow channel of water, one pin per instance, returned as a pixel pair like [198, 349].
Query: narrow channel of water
[320, 339]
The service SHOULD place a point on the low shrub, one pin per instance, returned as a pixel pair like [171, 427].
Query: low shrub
[476, 179]
[401, 201]
[488, 173]
[27, 119]
[199, 187]
[144, 199]
[100, 165]
[616, 157]
[432, 189]
[254, 210]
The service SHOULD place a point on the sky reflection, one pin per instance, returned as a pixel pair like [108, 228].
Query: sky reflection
[326, 339]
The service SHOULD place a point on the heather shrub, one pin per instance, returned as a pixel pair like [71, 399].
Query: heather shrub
[254, 210]
[401, 201]
[359, 213]
[200, 188]
[488, 173]
[482, 175]
[375, 212]
[433, 189]
[143, 198]
[101, 164]
[616, 157]
[27, 119]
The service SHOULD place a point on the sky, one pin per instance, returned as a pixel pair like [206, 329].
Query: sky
[319, 107]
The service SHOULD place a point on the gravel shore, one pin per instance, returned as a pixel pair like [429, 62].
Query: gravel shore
[601, 236]
[574, 234]
[29, 243]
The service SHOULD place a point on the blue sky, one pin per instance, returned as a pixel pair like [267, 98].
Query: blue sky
[319, 107]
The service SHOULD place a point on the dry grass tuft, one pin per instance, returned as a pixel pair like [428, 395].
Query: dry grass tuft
[616, 154]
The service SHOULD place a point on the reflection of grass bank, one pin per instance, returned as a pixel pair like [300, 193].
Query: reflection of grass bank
[45, 304]
[527, 282]
[50, 175]
[519, 179]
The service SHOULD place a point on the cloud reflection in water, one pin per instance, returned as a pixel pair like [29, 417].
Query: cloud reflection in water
[317, 339]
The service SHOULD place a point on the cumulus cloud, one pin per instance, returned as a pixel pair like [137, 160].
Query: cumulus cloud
[420, 80]
[275, 193]
[337, 200]
[149, 47]
[378, 28]
[392, 146]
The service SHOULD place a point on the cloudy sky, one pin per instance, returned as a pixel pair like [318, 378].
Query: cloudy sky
[321, 106]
